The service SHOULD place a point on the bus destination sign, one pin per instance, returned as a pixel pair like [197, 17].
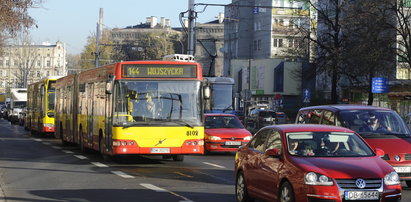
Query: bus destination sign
[159, 71]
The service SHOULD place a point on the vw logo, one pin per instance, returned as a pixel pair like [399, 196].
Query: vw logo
[360, 183]
[397, 158]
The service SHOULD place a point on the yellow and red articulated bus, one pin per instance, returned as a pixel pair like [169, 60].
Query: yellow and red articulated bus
[40, 106]
[134, 107]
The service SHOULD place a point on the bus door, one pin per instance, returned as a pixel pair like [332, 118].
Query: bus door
[90, 106]
[109, 120]
[69, 111]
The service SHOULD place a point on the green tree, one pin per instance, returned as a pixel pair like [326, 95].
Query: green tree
[154, 46]
[107, 51]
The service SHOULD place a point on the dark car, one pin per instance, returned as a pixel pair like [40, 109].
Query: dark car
[259, 118]
[380, 127]
[295, 162]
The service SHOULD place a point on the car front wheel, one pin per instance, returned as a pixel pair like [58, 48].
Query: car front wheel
[241, 189]
[286, 193]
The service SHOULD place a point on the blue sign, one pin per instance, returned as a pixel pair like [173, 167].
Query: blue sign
[255, 10]
[306, 95]
[379, 85]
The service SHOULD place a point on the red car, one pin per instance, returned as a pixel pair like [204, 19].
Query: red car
[224, 133]
[297, 162]
[380, 127]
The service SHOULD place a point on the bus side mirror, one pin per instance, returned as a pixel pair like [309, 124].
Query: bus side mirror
[207, 92]
[110, 84]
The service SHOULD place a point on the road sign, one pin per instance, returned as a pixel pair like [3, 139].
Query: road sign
[379, 85]
[306, 95]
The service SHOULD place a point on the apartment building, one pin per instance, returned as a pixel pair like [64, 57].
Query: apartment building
[21, 65]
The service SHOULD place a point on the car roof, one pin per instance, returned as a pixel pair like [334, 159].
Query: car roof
[308, 128]
[342, 107]
[218, 114]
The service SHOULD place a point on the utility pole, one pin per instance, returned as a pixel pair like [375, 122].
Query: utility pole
[98, 35]
[191, 25]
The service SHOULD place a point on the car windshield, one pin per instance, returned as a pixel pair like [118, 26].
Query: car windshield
[222, 122]
[157, 103]
[375, 123]
[326, 144]
[268, 114]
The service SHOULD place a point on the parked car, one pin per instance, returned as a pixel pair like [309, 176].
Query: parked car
[295, 162]
[259, 118]
[380, 127]
[224, 133]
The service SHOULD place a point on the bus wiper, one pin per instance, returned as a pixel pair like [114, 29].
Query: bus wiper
[183, 122]
[228, 108]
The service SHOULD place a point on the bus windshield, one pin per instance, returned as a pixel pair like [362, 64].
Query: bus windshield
[222, 97]
[157, 103]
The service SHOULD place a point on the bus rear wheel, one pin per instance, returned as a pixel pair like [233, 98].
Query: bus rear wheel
[178, 157]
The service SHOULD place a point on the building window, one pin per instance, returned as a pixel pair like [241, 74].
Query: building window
[38, 74]
[48, 73]
[278, 43]
[1, 62]
[38, 63]
[255, 45]
[279, 78]
[259, 44]
[7, 62]
[48, 63]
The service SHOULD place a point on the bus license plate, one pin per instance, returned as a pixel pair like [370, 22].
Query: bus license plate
[160, 150]
[402, 169]
[362, 195]
[233, 143]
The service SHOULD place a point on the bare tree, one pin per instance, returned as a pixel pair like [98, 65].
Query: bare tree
[25, 56]
[402, 25]
[369, 42]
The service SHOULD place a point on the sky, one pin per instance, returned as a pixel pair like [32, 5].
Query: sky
[72, 21]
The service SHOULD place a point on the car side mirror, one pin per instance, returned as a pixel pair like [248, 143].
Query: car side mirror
[273, 153]
[379, 152]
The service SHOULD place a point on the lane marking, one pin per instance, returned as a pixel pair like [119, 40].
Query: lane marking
[80, 157]
[46, 143]
[37, 140]
[183, 174]
[153, 187]
[56, 147]
[215, 165]
[68, 152]
[159, 189]
[122, 174]
[98, 164]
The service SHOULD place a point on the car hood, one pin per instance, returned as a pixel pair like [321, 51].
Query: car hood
[345, 167]
[391, 146]
[227, 132]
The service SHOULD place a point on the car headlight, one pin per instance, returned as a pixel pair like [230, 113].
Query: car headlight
[214, 138]
[312, 178]
[392, 178]
[248, 138]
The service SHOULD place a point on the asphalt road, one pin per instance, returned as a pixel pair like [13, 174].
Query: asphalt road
[40, 169]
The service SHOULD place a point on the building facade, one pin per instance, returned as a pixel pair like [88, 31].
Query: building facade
[259, 39]
[22, 65]
[209, 46]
